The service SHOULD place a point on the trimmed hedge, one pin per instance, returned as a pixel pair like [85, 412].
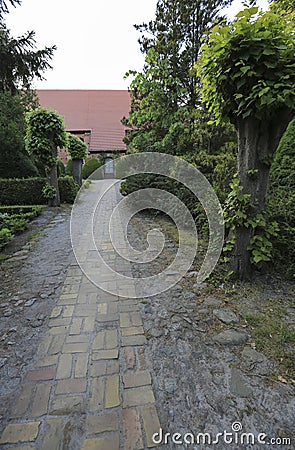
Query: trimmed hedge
[68, 189]
[29, 191]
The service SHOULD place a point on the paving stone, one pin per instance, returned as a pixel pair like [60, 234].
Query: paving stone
[71, 386]
[108, 442]
[100, 368]
[68, 311]
[56, 345]
[59, 322]
[128, 308]
[129, 355]
[76, 338]
[85, 311]
[62, 406]
[41, 374]
[81, 365]
[52, 434]
[112, 392]
[132, 430]
[23, 401]
[103, 423]
[88, 324]
[76, 326]
[151, 424]
[102, 308]
[79, 347]
[103, 318]
[44, 345]
[136, 319]
[133, 340]
[105, 354]
[136, 379]
[47, 361]
[111, 339]
[58, 330]
[64, 368]
[15, 433]
[56, 312]
[125, 321]
[132, 330]
[98, 342]
[41, 399]
[96, 394]
[138, 396]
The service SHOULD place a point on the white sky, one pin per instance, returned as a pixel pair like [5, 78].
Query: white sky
[96, 41]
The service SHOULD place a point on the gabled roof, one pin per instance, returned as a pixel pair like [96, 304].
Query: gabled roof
[99, 111]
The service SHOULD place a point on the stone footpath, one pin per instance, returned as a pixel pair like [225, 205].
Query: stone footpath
[90, 387]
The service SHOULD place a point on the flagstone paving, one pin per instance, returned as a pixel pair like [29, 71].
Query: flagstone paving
[90, 387]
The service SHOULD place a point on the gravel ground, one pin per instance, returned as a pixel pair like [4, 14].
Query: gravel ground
[30, 279]
[207, 372]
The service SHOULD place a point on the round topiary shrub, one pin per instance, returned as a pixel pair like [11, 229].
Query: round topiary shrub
[89, 167]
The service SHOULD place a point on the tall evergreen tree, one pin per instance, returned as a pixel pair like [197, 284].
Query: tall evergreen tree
[165, 94]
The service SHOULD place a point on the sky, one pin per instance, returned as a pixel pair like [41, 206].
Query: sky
[96, 41]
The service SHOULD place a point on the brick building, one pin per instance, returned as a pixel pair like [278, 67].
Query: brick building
[93, 115]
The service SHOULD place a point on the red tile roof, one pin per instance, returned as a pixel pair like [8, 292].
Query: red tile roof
[99, 111]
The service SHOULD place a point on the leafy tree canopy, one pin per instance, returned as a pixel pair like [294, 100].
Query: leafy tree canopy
[45, 132]
[248, 66]
[76, 147]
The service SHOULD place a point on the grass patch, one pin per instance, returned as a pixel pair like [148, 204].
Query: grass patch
[274, 337]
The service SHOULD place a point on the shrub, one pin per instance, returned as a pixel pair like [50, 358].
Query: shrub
[29, 191]
[14, 224]
[68, 189]
[22, 191]
[89, 167]
[76, 147]
[5, 237]
[24, 210]
[69, 168]
[281, 200]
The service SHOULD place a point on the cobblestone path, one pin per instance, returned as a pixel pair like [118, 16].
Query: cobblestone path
[90, 387]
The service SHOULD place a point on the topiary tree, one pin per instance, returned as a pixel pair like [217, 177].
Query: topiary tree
[90, 166]
[45, 133]
[78, 151]
[247, 68]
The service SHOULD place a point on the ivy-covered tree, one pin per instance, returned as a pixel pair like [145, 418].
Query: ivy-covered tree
[45, 133]
[78, 151]
[248, 73]
[165, 93]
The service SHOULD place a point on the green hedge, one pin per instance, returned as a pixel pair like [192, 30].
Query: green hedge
[68, 189]
[29, 191]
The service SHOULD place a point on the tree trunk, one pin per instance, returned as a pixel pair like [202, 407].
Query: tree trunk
[53, 181]
[258, 141]
[77, 171]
